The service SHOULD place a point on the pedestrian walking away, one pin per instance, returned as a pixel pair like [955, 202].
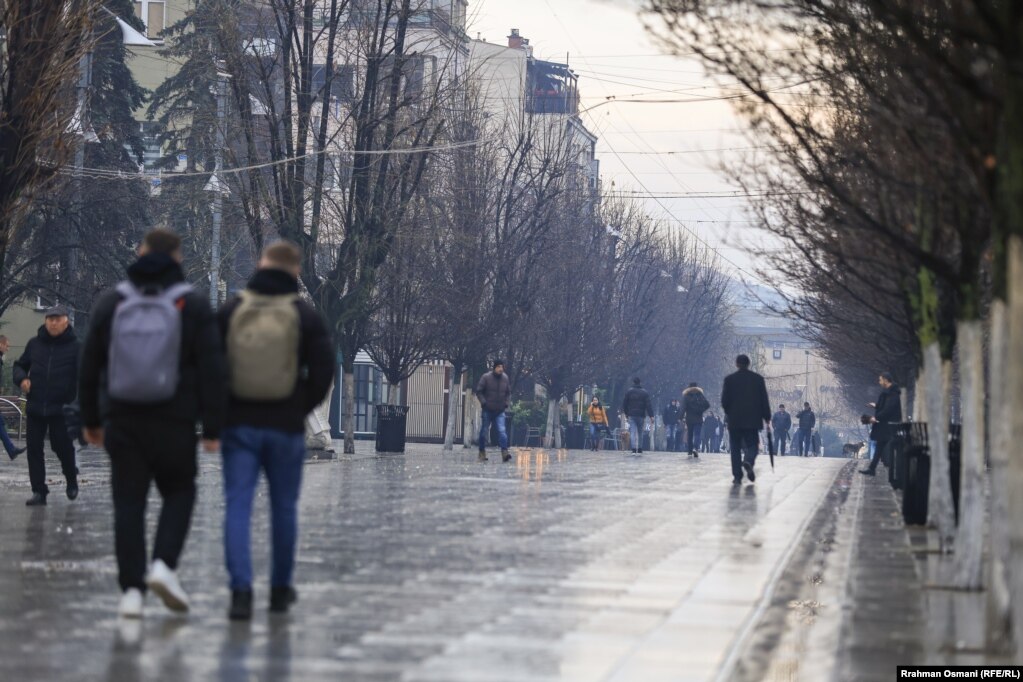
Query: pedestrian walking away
[672, 416]
[695, 403]
[152, 367]
[638, 407]
[707, 432]
[12, 450]
[47, 373]
[804, 434]
[747, 411]
[781, 424]
[494, 393]
[887, 411]
[598, 424]
[281, 364]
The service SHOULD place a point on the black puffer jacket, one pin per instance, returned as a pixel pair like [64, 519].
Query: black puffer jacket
[637, 403]
[200, 393]
[51, 364]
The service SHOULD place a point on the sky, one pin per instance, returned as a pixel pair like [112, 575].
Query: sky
[609, 48]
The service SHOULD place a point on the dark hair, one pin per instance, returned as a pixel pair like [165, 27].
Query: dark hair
[283, 254]
[887, 376]
[498, 362]
[161, 240]
[742, 361]
[806, 404]
[781, 406]
[693, 384]
[635, 381]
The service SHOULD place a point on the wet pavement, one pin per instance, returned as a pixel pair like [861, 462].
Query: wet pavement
[431, 566]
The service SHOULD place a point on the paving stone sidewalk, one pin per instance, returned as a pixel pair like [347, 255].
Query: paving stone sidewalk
[428, 566]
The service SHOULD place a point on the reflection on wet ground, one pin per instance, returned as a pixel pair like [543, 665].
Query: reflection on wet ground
[563, 565]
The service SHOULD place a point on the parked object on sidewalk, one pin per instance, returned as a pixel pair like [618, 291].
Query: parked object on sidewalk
[391, 422]
[918, 477]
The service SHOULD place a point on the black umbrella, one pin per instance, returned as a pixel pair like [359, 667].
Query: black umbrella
[770, 447]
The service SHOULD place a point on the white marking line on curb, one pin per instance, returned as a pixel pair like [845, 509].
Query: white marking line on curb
[739, 643]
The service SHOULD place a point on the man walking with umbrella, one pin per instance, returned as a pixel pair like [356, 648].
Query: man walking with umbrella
[747, 410]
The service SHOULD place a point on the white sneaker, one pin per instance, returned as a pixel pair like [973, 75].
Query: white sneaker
[131, 603]
[164, 582]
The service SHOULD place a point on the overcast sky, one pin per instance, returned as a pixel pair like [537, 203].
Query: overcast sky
[607, 45]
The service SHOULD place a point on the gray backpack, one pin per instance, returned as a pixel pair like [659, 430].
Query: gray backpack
[145, 344]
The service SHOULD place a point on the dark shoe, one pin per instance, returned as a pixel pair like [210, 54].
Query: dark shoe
[72, 490]
[868, 472]
[281, 598]
[483, 456]
[696, 454]
[748, 468]
[37, 500]
[736, 481]
[640, 451]
[635, 452]
[505, 456]
[241, 605]
[14, 453]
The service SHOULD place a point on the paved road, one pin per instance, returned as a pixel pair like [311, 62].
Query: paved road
[427, 566]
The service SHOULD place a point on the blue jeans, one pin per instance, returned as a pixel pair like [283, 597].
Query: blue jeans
[673, 434]
[246, 450]
[636, 432]
[9, 446]
[502, 431]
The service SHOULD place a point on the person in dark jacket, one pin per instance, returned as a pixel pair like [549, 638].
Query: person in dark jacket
[887, 411]
[494, 393]
[747, 410]
[12, 450]
[638, 407]
[695, 402]
[269, 435]
[671, 416]
[708, 431]
[47, 372]
[155, 441]
[804, 434]
[781, 424]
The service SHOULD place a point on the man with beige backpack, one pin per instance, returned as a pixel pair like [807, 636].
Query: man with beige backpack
[281, 362]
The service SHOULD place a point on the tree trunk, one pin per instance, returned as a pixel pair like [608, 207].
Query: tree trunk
[453, 403]
[393, 393]
[920, 397]
[349, 421]
[1014, 400]
[999, 619]
[552, 413]
[968, 563]
[941, 514]
[470, 427]
[557, 423]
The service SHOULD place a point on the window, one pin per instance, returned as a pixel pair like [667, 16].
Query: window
[151, 12]
[777, 353]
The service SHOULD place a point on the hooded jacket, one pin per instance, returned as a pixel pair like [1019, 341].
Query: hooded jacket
[51, 363]
[695, 403]
[200, 392]
[316, 361]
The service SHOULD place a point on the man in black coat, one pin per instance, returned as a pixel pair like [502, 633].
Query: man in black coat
[671, 416]
[637, 406]
[747, 410]
[47, 372]
[887, 411]
[804, 434]
[150, 442]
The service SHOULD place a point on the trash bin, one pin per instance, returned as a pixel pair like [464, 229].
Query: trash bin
[917, 476]
[895, 459]
[575, 436]
[391, 427]
[955, 463]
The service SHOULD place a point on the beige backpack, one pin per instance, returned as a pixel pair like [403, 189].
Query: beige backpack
[262, 347]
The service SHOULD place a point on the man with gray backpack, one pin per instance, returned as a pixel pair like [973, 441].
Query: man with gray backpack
[281, 365]
[152, 367]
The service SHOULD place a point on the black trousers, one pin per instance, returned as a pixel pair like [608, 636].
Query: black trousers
[879, 450]
[739, 440]
[142, 451]
[61, 443]
[693, 432]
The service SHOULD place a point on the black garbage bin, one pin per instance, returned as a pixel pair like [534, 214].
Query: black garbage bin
[917, 478]
[896, 459]
[955, 463]
[575, 436]
[391, 427]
